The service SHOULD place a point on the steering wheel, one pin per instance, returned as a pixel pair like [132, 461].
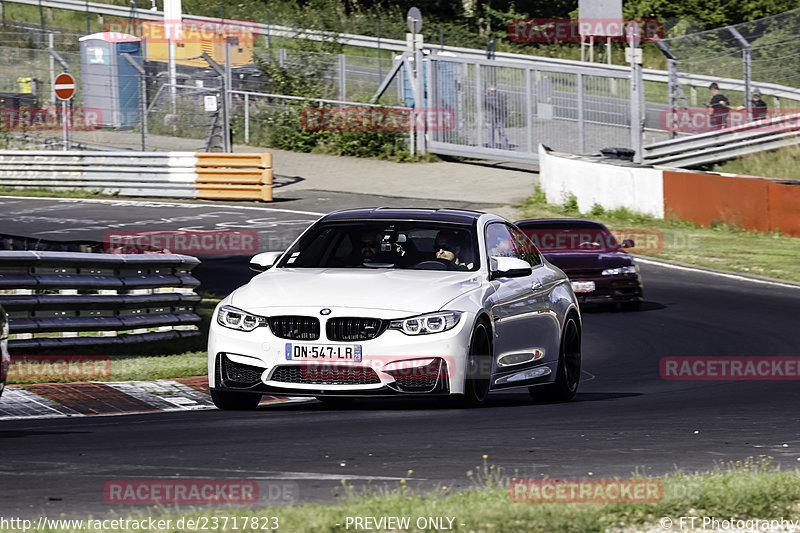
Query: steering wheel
[435, 264]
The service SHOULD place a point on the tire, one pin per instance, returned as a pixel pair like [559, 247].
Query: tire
[568, 372]
[478, 372]
[235, 401]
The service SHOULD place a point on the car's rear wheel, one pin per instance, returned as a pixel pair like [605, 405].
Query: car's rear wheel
[235, 401]
[478, 373]
[568, 372]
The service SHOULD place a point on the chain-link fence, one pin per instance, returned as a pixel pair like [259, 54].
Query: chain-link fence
[752, 64]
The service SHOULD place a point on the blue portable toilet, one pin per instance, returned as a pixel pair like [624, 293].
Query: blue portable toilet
[109, 81]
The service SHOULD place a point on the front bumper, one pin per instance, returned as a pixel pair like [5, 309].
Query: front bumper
[391, 364]
[611, 289]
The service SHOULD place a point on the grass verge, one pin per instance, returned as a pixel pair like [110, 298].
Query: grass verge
[27, 371]
[721, 246]
[745, 490]
[781, 164]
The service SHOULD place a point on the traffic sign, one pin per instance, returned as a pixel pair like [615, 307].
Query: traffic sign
[64, 86]
[414, 20]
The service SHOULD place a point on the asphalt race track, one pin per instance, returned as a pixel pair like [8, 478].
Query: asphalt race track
[72, 221]
[625, 417]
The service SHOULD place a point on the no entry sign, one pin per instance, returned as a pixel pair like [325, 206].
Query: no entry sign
[64, 86]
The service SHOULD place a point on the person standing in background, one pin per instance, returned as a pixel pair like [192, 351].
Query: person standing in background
[495, 105]
[718, 108]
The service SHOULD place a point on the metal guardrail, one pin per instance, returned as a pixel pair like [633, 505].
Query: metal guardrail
[169, 174]
[725, 144]
[162, 174]
[67, 299]
[396, 45]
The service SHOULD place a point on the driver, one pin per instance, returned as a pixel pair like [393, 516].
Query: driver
[446, 247]
[370, 246]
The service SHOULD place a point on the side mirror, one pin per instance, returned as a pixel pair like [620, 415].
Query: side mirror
[508, 267]
[628, 243]
[263, 261]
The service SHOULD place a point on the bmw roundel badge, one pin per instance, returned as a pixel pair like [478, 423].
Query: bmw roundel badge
[325, 311]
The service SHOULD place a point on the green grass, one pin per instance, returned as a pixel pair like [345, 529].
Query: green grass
[128, 368]
[745, 490]
[721, 246]
[781, 164]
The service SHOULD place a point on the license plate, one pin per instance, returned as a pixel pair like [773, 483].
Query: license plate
[583, 286]
[328, 352]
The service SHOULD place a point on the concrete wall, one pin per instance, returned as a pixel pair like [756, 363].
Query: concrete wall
[753, 203]
[750, 202]
[639, 189]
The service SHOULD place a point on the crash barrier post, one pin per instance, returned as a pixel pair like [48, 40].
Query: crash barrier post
[234, 176]
[73, 299]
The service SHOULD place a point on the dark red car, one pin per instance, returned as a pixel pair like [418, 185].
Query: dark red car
[600, 270]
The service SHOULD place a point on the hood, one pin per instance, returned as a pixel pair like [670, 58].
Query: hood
[573, 261]
[411, 291]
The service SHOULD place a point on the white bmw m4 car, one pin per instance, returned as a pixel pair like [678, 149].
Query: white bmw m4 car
[398, 302]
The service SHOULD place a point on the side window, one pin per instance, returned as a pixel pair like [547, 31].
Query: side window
[498, 241]
[524, 248]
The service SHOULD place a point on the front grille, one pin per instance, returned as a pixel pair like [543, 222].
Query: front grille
[240, 374]
[303, 328]
[316, 374]
[354, 328]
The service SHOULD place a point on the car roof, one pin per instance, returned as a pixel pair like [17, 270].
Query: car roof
[453, 216]
[577, 223]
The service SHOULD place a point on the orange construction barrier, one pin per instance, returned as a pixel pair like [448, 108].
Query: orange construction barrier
[224, 176]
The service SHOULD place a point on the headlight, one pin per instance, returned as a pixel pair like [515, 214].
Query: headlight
[621, 270]
[425, 324]
[233, 318]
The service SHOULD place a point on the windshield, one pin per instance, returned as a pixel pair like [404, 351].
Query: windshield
[594, 238]
[420, 245]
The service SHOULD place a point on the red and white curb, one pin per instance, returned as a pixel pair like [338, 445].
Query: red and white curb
[48, 400]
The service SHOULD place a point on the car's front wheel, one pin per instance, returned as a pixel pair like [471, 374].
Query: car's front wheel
[235, 401]
[478, 373]
[568, 371]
